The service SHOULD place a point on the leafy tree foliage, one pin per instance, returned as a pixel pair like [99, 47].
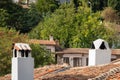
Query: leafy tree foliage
[46, 6]
[74, 28]
[26, 19]
[110, 15]
[7, 37]
[115, 4]
[21, 19]
[98, 4]
[3, 17]
[4, 2]
[41, 56]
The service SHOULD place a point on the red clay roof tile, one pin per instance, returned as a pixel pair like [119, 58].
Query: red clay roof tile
[42, 42]
[76, 73]
[83, 51]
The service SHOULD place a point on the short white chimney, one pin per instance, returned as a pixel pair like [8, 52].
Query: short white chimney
[22, 62]
[51, 38]
[99, 53]
[16, 1]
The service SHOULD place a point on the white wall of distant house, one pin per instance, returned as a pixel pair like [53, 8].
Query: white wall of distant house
[71, 56]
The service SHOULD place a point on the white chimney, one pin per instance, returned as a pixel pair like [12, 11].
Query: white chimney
[22, 62]
[99, 53]
[15, 1]
[51, 38]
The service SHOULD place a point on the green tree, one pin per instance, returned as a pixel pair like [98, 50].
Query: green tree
[5, 2]
[73, 28]
[7, 37]
[115, 4]
[27, 19]
[21, 19]
[98, 5]
[41, 56]
[4, 16]
[110, 15]
[58, 24]
[46, 6]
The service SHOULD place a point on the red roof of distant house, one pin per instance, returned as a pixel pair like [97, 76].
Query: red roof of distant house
[42, 42]
[74, 50]
[116, 51]
[83, 51]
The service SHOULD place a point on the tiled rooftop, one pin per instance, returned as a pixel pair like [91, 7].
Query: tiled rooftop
[83, 51]
[39, 72]
[74, 50]
[76, 73]
[84, 73]
[42, 42]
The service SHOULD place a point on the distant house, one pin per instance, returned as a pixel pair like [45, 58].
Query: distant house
[50, 45]
[72, 56]
[79, 56]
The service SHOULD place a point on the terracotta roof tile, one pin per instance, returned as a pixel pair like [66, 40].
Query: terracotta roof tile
[42, 42]
[76, 73]
[39, 72]
[74, 50]
[81, 73]
[114, 77]
[22, 46]
[116, 51]
[83, 51]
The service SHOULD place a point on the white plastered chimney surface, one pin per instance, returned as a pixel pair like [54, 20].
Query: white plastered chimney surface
[22, 62]
[100, 53]
[97, 43]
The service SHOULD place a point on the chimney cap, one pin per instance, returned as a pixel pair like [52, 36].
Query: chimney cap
[100, 44]
[22, 46]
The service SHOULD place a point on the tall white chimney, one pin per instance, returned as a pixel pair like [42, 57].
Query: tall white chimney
[22, 62]
[99, 53]
[51, 38]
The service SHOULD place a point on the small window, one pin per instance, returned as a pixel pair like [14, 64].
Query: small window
[66, 60]
[77, 62]
[49, 50]
[15, 53]
[26, 53]
[22, 53]
[86, 61]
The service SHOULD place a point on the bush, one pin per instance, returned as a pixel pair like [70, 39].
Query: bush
[41, 55]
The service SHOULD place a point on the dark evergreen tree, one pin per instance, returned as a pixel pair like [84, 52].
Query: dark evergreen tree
[98, 4]
[21, 19]
[46, 6]
[115, 4]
